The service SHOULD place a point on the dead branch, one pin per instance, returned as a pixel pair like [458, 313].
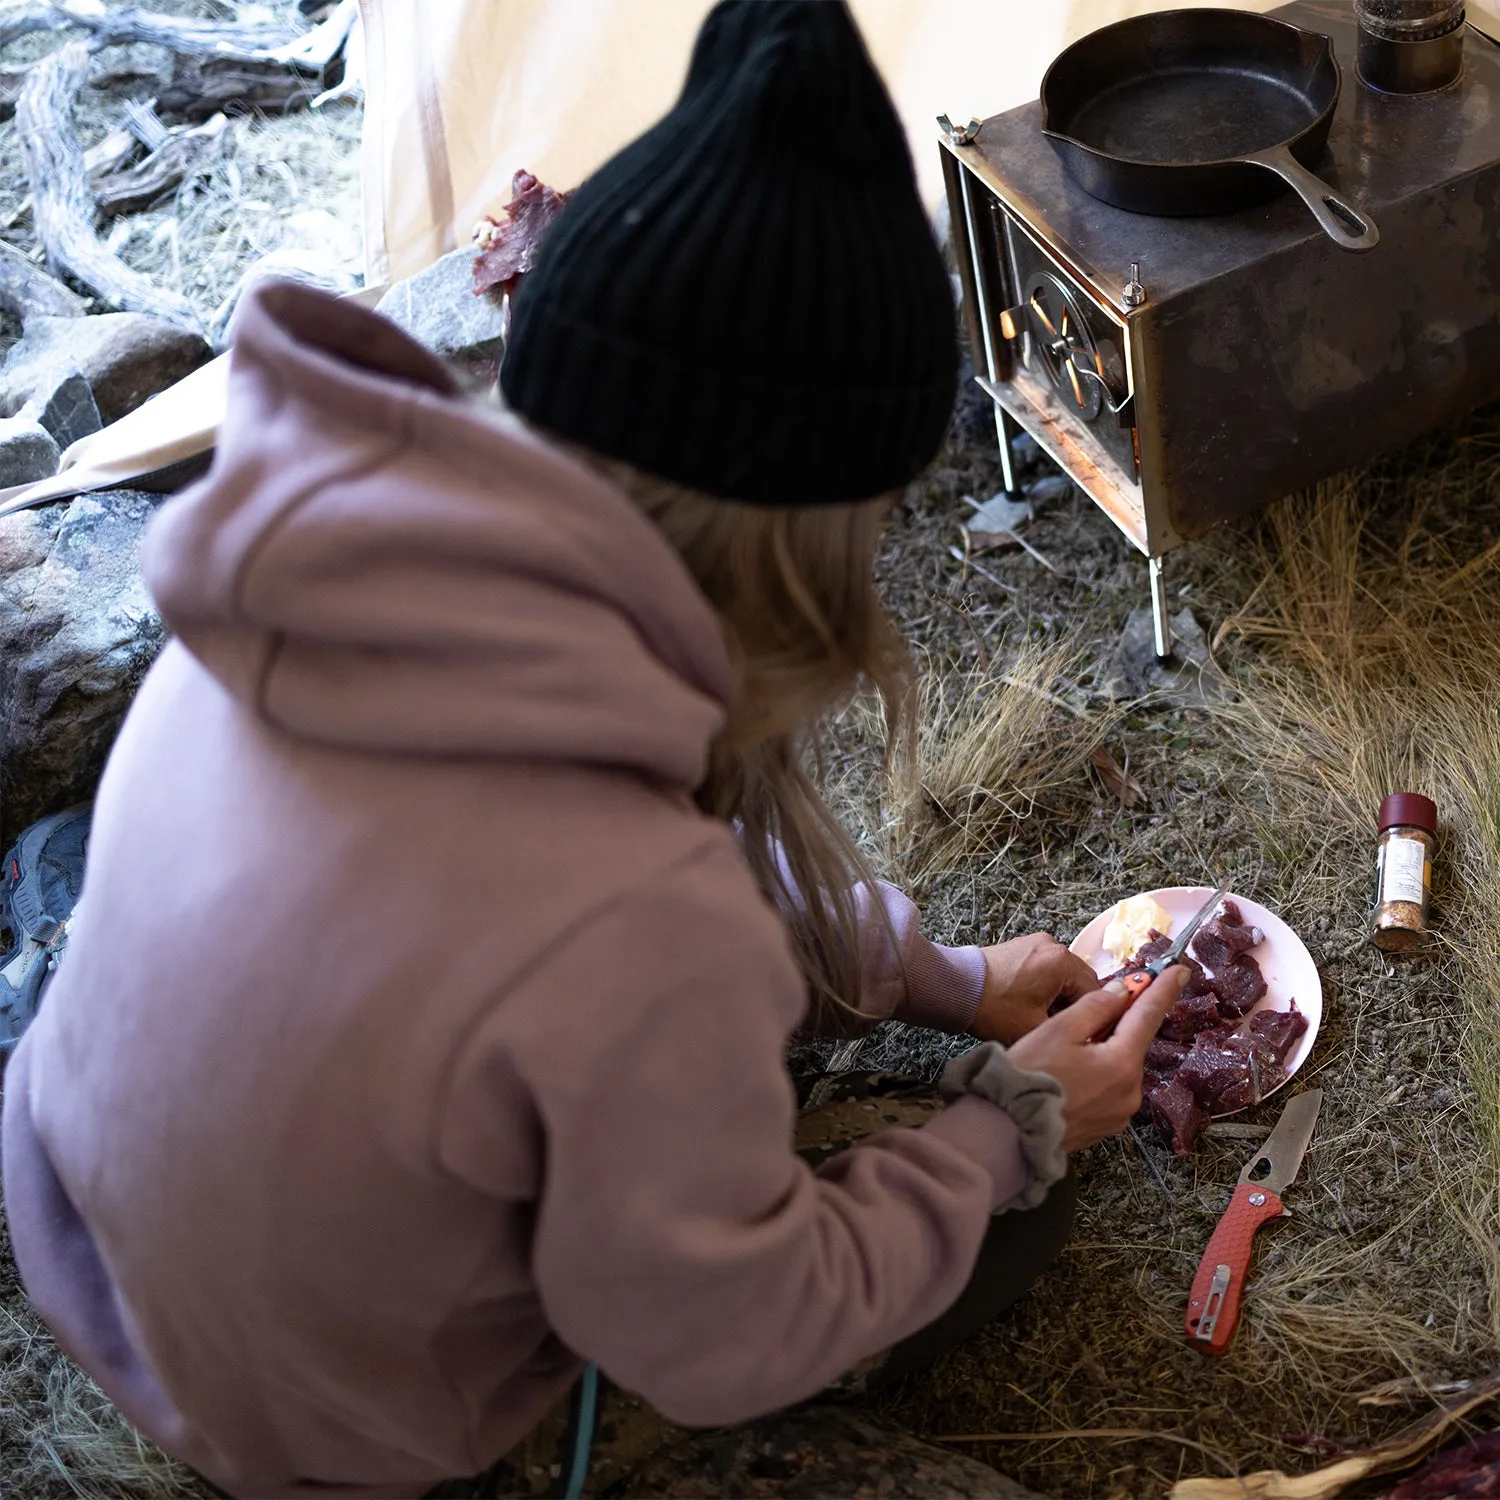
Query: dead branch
[62, 205]
[205, 86]
[111, 28]
[11, 81]
[181, 156]
[1398, 1452]
[28, 292]
[15, 24]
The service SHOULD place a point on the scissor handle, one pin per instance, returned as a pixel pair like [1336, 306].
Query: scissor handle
[1136, 984]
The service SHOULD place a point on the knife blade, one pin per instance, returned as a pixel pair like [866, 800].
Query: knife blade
[1214, 1302]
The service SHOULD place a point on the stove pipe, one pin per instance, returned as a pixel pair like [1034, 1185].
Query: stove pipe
[1410, 46]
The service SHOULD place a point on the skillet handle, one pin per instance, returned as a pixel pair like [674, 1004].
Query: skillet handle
[1340, 220]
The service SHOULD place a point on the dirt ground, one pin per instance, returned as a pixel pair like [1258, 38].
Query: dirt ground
[1087, 1389]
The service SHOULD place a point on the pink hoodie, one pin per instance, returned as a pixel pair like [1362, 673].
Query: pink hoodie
[419, 1038]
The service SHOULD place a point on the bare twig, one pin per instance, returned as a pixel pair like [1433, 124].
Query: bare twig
[178, 34]
[203, 86]
[15, 24]
[63, 205]
[29, 292]
[181, 156]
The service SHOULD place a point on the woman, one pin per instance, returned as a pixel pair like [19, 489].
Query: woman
[421, 1034]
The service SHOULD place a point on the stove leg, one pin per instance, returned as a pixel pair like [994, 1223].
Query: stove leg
[1005, 429]
[1161, 625]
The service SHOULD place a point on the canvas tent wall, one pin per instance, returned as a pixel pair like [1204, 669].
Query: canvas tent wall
[460, 93]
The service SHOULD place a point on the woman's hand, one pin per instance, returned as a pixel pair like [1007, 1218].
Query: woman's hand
[1101, 1081]
[1023, 979]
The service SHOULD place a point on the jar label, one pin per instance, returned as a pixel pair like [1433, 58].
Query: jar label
[1403, 873]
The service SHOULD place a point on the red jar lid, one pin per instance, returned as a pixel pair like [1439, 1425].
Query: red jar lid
[1409, 808]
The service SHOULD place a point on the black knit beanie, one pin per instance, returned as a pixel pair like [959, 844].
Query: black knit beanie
[748, 299]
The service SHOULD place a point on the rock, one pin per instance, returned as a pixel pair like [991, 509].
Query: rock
[438, 308]
[816, 1451]
[1049, 488]
[1190, 678]
[125, 357]
[77, 632]
[28, 452]
[1026, 453]
[70, 412]
[301, 266]
[998, 513]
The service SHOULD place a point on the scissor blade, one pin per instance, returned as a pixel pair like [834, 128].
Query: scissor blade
[1183, 938]
[1286, 1145]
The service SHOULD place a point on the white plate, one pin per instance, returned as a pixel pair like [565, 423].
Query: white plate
[1288, 967]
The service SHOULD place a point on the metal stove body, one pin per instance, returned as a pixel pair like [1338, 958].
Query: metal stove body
[1250, 356]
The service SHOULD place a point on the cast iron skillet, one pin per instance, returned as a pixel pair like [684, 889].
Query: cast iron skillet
[1199, 112]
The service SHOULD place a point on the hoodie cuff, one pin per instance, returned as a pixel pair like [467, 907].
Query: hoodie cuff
[943, 986]
[989, 1137]
[1033, 1101]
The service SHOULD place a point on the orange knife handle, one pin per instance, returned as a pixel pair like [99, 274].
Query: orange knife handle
[1136, 985]
[1214, 1302]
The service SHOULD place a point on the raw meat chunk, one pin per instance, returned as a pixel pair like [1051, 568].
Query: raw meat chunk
[1150, 950]
[1224, 936]
[1176, 1114]
[1283, 1029]
[1190, 1015]
[1472, 1470]
[1163, 1056]
[1239, 986]
[1198, 982]
[1229, 1071]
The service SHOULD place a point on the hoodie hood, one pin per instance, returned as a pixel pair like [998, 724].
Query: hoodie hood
[374, 563]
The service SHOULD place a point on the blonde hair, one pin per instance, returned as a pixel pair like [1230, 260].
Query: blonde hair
[794, 590]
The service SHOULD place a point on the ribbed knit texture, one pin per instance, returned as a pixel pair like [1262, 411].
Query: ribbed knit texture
[748, 299]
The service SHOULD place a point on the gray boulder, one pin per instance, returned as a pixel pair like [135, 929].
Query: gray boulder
[69, 412]
[1191, 678]
[77, 632]
[126, 358]
[816, 1451]
[28, 452]
[438, 308]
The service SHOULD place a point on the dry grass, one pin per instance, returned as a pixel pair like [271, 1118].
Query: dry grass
[1361, 627]
[1378, 670]
[995, 747]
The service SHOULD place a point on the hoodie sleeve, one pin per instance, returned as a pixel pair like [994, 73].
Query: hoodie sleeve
[906, 976]
[680, 1242]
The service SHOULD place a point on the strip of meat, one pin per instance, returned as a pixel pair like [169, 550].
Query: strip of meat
[1230, 1071]
[508, 247]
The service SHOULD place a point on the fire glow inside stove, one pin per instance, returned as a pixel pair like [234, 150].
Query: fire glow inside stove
[1249, 355]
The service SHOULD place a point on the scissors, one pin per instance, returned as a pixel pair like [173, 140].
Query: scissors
[1138, 980]
[1141, 978]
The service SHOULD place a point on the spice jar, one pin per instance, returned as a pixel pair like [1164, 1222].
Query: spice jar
[1403, 871]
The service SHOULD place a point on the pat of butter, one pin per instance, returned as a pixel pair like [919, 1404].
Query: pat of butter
[1131, 923]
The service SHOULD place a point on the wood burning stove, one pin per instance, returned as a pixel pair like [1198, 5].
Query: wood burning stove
[1187, 371]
